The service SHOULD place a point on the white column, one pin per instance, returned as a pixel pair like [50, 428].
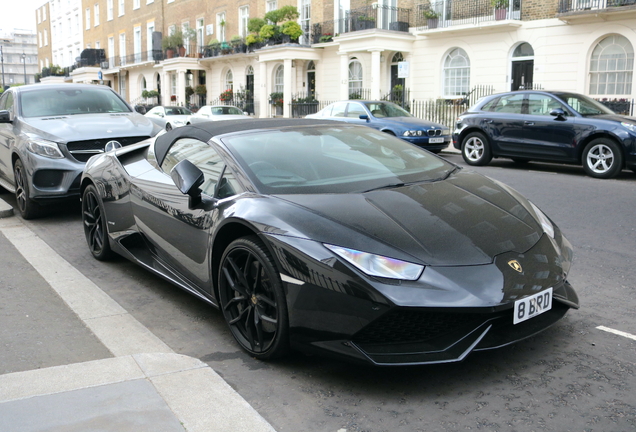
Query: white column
[287, 89]
[375, 75]
[344, 76]
[264, 98]
[181, 87]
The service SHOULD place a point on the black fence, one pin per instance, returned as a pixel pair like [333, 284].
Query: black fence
[566, 6]
[438, 13]
[619, 106]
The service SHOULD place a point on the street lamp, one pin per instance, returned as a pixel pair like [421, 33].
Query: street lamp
[2, 62]
[24, 61]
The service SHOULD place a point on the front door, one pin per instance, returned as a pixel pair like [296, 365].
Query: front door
[249, 85]
[522, 75]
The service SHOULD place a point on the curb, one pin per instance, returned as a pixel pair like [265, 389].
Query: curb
[5, 209]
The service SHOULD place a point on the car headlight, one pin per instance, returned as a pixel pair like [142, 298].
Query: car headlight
[630, 126]
[413, 133]
[547, 226]
[377, 265]
[446, 131]
[44, 148]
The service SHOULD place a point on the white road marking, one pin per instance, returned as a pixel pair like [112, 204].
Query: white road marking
[617, 332]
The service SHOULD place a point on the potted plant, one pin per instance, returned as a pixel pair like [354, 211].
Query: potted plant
[432, 18]
[213, 47]
[500, 7]
[292, 30]
[227, 95]
[364, 22]
[252, 42]
[237, 44]
[173, 98]
[326, 37]
[268, 31]
[189, 91]
[200, 89]
[276, 99]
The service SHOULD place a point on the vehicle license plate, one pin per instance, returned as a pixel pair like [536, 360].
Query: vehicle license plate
[436, 140]
[532, 306]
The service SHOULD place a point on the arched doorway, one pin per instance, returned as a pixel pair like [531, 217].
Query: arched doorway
[249, 90]
[522, 67]
[311, 80]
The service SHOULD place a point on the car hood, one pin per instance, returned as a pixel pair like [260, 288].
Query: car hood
[89, 126]
[467, 219]
[614, 117]
[409, 122]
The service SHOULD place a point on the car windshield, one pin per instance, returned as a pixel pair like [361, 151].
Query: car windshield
[584, 105]
[384, 109]
[177, 111]
[57, 101]
[226, 110]
[330, 159]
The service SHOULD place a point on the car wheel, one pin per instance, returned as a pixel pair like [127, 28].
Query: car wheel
[252, 299]
[602, 158]
[476, 149]
[28, 208]
[168, 127]
[94, 220]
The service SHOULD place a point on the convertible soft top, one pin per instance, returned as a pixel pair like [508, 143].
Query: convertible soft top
[205, 131]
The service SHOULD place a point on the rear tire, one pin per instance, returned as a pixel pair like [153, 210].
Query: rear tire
[476, 149]
[28, 208]
[602, 158]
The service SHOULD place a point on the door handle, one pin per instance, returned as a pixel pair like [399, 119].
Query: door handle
[528, 123]
[487, 121]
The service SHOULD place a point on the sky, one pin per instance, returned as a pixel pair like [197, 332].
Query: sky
[19, 14]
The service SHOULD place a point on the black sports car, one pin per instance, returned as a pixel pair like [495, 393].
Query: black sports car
[320, 235]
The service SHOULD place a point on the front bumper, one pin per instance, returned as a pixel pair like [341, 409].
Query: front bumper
[52, 179]
[425, 143]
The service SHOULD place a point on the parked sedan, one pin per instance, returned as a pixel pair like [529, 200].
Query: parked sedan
[324, 236]
[218, 112]
[389, 118]
[169, 117]
[546, 126]
[49, 131]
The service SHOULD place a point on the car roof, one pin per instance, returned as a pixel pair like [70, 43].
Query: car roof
[205, 131]
[40, 86]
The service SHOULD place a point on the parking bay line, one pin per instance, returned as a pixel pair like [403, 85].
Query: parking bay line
[617, 332]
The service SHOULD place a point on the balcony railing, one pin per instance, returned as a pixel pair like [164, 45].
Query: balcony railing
[365, 18]
[449, 13]
[583, 5]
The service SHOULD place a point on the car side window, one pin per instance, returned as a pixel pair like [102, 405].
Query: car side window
[201, 155]
[355, 110]
[511, 104]
[339, 109]
[228, 185]
[539, 104]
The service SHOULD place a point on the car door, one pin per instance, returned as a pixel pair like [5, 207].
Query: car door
[354, 111]
[7, 138]
[503, 123]
[180, 235]
[547, 136]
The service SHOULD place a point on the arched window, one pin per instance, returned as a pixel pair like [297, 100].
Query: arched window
[611, 67]
[397, 57]
[143, 83]
[279, 79]
[355, 79]
[523, 50]
[229, 80]
[456, 73]
[249, 70]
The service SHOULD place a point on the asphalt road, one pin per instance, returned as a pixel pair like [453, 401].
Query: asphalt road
[573, 377]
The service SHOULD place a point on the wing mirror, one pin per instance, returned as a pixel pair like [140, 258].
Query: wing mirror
[188, 177]
[5, 116]
[558, 113]
[140, 109]
[364, 117]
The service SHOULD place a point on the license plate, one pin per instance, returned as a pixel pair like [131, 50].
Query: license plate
[532, 306]
[436, 140]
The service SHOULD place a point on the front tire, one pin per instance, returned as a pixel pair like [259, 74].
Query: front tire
[95, 228]
[476, 149]
[28, 208]
[252, 299]
[602, 158]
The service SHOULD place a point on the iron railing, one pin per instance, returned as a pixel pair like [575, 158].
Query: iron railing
[566, 6]
[448, 13]
[619, 106]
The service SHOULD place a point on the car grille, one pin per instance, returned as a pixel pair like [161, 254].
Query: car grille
[83, 150]
[403, 326]
[434, 132]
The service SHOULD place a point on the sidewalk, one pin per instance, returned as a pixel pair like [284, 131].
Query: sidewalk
[73, 359]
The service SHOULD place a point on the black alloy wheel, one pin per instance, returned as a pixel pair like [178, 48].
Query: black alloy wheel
[476, 149]
[602, 158]
[94, 220]
[28, 208]
[252, 299]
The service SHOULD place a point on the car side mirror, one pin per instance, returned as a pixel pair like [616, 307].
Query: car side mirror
[188, 177]
[364, 117]
[558, 113]
[140, 109]
[5, 116]
[246, 113]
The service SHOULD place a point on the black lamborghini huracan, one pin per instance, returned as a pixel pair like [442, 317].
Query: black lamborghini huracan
[320, 235]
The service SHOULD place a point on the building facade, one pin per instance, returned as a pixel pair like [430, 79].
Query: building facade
[423, 50]
[19, 57]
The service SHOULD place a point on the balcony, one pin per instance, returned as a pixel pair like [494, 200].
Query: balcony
[571, 10]
[375, 16]
[449, 13]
